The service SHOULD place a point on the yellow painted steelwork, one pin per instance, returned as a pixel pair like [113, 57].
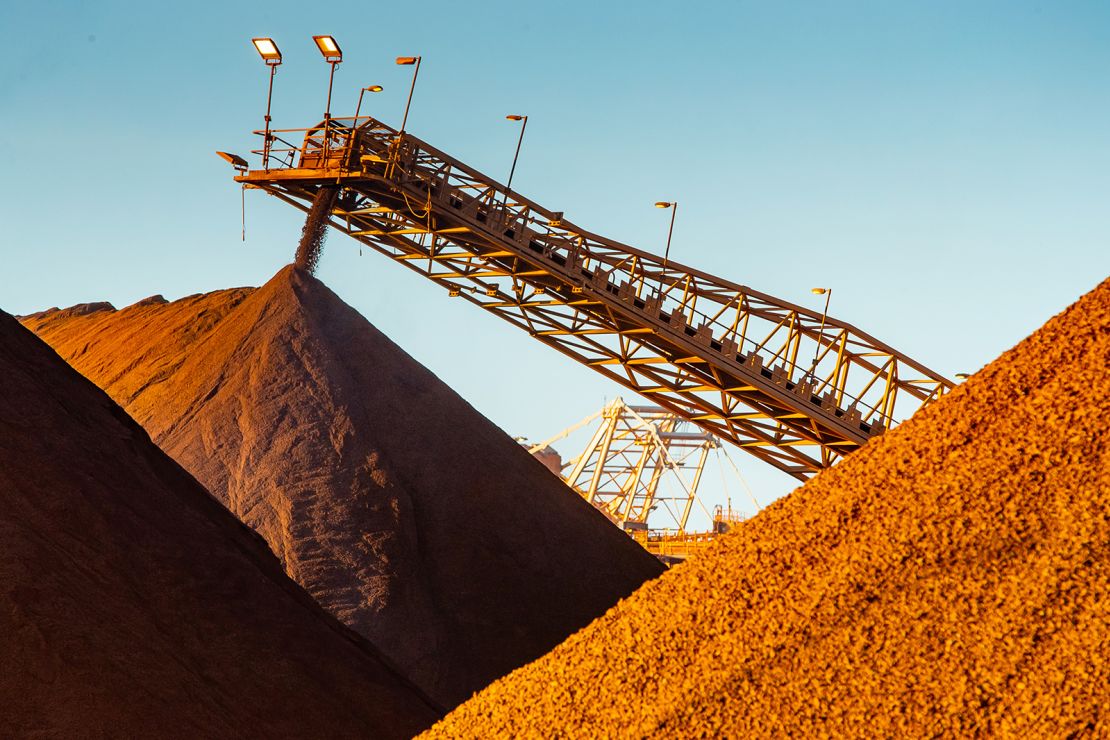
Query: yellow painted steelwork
[709, 350]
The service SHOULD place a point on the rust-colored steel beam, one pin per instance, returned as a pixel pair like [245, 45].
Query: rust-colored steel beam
[715, 352]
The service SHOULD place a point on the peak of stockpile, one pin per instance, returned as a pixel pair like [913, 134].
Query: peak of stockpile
[951, 578]
[400, 508]
[132, 604]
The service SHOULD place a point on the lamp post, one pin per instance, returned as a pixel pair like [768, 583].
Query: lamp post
[406, 61]
[333, 55]
[373, 89]
[827, 292]
[673, 205]
[520, 139]
[271, 55]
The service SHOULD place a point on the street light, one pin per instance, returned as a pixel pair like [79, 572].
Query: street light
[827, 292]
[373, 89]
[673, 205]
[406, 61]
[333, 55]
[959, 376]
[271, 55]
[520, 139]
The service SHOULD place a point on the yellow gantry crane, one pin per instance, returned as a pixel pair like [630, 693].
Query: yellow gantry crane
[640, 459]
[642, 467]
[793, 387]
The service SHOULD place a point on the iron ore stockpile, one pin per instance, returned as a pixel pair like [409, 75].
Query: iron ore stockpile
[132, 604]
[951, 578]
[396, 505]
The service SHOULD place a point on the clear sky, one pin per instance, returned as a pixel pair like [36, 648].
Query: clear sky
[943, 166]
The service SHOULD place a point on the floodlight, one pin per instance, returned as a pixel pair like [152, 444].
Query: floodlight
[268, 50]
[233, 159]
[271, 55]
[329, 48]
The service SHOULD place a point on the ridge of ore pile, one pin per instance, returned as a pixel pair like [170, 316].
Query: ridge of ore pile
[401, 509]
[132, 604]
[950, 578]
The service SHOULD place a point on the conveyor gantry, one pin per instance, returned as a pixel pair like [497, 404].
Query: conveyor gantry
[737, 362]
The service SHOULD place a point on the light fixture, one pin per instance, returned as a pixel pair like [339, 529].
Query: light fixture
[827, 292]
[962, 376]
[520, 139]
[233, 159]
[371, 88]
[672, 204]
[405, 61]
[333, 55]
[268, 50]
[271, 55]
[329, 48]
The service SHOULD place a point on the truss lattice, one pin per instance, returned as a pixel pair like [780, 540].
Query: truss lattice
[769, 376]
[639, 459]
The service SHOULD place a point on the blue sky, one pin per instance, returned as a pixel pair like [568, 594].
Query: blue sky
[944, 166]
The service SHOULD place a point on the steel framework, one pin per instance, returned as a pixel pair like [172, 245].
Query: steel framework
[632, 454]
[737, 362]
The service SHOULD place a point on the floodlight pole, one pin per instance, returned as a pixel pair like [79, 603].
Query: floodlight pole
[327, 113]
[331, 79]
[266, 137]
[412, 87]
[673, 205]
[821, 331]
[271, 55]
[519, 141]
[670, 232]
[359, 106]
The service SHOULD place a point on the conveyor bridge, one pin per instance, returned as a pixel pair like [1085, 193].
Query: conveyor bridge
[792, 387]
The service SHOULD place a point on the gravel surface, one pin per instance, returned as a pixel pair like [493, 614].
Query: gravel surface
[951, 578]
[132, 604]
[398, 506]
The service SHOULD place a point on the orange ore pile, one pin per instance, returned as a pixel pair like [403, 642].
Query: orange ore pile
[950, 578]
[132, 604]
[403, 511]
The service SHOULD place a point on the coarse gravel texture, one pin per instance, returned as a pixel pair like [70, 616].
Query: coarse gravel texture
[132, 604]
[399, 507]
[951, 578]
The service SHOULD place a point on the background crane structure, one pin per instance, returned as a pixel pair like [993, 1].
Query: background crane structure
[641, 467]
[633, 452]
[788, 385]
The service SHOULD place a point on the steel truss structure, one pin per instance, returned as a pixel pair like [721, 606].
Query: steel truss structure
[794, 388]
[632, 454]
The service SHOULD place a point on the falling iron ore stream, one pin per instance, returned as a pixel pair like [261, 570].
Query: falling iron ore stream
[316, 228]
